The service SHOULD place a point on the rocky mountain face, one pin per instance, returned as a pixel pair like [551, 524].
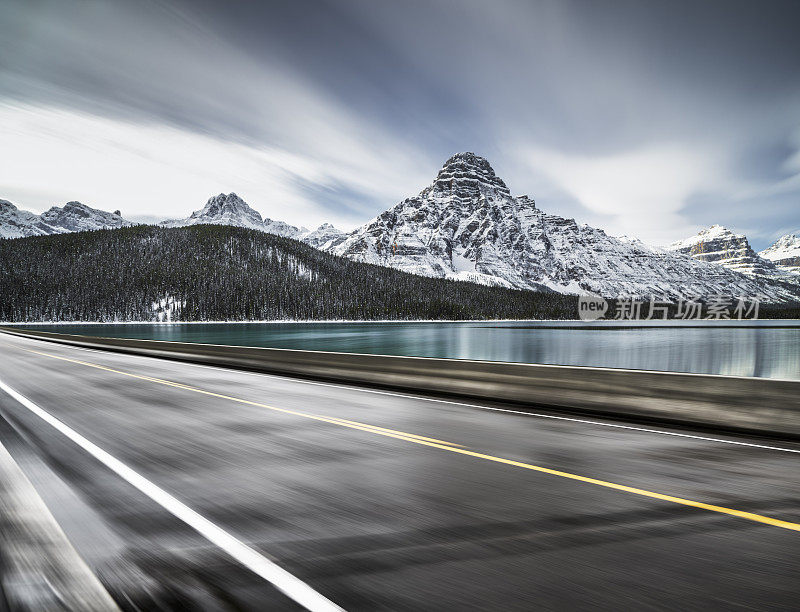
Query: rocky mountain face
[325, 237]
[720, 245]
[280, 228]
[230, 209]
[77, 217]
[72, 217]
[784, 253]
[16, 223]
[223, 209]
[466, 225]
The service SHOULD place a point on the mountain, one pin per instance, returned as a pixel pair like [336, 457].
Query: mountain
[72, 217]
[16, 223]
[281, 228]
[784, 253]
[467, 225]
[223, 209]
[77, 217]
[230, 209]
[325, 237]
[213, 272]
[719, 245]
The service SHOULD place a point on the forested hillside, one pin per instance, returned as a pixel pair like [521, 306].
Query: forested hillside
[207, 272]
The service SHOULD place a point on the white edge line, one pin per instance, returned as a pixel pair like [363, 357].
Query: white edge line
[443, 401]
[289, 584]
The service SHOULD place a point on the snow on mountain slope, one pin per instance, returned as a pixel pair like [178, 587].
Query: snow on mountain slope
[719, 245]
[466, 224]
[72, 217]
[280, 228]
[77, 217]
[16, 223]
[784, 253]
[230, 209]
[223, 209]
[324, 237]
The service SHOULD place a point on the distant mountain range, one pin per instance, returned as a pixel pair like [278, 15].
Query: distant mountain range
[72, 217]
[784, 253]
[230, 209]
[721, 246]
[467, 226]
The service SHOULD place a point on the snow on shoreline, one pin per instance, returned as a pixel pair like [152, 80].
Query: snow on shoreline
[599, 323]
[285, 321]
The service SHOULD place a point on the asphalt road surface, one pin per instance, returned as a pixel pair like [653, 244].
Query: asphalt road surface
[378, 500]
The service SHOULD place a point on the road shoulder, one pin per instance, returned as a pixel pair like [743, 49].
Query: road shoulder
[41, 570]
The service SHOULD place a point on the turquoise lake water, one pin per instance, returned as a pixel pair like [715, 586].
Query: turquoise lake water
[748, 348]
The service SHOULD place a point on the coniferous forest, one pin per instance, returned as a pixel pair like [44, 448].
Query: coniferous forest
[218, 273]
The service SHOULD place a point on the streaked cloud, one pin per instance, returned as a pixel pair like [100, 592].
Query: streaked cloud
[638, 193]
[334, 110]
[160, 170]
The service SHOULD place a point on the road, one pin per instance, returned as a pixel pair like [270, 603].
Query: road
[377, 500]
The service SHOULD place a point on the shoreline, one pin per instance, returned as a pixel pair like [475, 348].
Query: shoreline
[285, 321]
[531, 323]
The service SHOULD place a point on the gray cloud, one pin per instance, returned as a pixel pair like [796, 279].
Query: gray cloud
[651, 118]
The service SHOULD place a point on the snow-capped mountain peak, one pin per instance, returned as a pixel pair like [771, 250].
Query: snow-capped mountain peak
[230, 209]
[467, 226]
[16, 223]
[784, 253]
[466, 176]
[324, 237]
[77, 217]
[72, 217]
[714, 232]
[222, 209]
[281, 228]
[719, 245]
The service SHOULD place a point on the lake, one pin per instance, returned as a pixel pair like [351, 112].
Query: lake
[748, 348]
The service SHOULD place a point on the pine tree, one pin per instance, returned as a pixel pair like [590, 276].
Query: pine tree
[210, 272]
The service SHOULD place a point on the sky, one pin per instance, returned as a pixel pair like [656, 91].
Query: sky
[648, 119]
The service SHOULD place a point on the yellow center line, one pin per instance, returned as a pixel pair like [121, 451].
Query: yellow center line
[446, 446]
[318, 417]
[380, 429]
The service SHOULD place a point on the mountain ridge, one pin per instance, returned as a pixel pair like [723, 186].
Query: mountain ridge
[230, 209]
[784, 253]
[72, 217]
[467, 225]
[719, 245]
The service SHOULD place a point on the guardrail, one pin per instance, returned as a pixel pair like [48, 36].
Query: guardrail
[760, 405]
